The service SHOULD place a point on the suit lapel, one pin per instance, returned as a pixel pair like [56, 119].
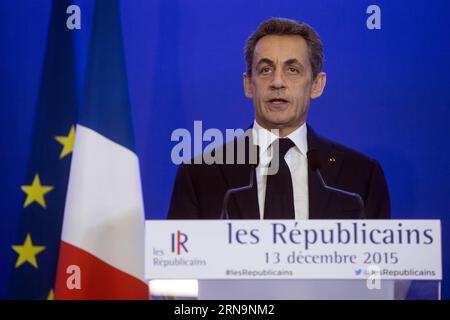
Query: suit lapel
[244, 204]
[331, 161]
[245, 201]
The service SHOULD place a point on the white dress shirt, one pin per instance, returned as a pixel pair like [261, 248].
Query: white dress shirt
[296, 160]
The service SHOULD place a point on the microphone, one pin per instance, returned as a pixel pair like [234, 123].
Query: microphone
[224, 212]
[314, 164]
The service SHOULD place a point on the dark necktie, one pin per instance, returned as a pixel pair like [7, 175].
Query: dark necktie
[279, 202]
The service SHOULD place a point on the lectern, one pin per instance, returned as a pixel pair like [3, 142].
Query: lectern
[289, 259]
[317, 290]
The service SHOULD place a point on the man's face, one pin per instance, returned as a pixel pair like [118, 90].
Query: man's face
[281, 84]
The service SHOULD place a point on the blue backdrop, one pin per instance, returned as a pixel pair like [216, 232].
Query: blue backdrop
[387, 93]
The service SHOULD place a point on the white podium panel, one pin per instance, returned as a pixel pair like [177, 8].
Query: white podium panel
[289, 259]
[296, 290]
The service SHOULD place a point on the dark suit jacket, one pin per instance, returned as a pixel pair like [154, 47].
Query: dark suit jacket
[199, 188]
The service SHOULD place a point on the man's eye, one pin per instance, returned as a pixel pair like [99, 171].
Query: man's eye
[265, 70]
[293, 70]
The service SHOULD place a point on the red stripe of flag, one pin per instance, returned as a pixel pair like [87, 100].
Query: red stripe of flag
[99, 280]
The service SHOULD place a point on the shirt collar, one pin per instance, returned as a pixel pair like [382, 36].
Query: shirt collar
[264, 138]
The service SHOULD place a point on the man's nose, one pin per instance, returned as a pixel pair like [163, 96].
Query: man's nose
[278, 81]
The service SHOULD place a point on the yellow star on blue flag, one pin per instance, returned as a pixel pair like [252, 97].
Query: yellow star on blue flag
[67, 142]
[36, 192]
[27, 252]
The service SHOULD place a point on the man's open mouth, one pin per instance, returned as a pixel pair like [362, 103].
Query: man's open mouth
[278, 101]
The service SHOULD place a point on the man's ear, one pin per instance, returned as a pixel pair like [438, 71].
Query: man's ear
[248, 86]
[318, 85]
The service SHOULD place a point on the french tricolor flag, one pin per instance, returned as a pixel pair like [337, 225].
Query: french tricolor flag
[102, 241]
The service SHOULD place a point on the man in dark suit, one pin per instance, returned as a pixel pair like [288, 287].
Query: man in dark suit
[284, 72]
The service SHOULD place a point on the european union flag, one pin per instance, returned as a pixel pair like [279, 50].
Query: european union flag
[44, 187]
